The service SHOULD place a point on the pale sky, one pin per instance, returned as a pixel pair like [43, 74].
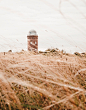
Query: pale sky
[59, 24]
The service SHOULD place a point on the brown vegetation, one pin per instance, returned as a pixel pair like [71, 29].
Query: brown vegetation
[51, 80]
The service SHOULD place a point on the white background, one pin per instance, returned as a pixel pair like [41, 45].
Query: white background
[59, 24]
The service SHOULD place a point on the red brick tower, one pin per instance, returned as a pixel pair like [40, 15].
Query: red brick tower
[32, 39]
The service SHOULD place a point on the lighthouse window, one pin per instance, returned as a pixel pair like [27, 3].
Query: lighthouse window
[30, 42]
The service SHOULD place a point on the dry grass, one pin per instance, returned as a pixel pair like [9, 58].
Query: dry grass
[30, 81]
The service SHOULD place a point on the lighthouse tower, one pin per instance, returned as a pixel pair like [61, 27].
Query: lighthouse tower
[32, 40]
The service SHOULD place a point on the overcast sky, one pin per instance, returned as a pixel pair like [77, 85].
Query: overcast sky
[59, 24]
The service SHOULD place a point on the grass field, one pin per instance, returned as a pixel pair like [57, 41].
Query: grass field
[43, 81]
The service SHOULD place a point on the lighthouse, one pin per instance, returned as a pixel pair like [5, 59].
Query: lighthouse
[32, 39]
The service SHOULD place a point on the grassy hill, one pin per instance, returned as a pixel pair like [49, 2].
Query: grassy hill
[51, 80]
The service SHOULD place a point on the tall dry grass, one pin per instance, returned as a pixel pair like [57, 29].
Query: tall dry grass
[30, 81]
